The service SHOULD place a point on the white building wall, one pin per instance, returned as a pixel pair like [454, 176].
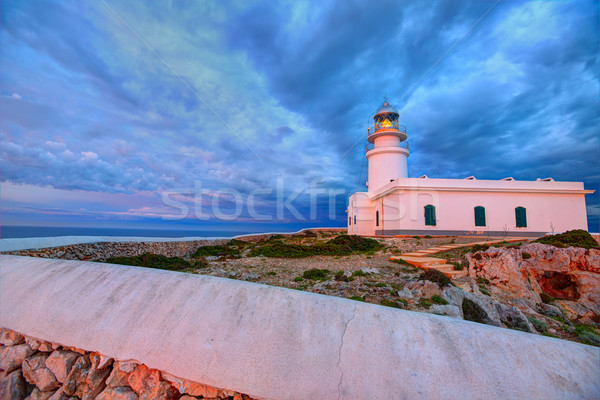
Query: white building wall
[550, 206]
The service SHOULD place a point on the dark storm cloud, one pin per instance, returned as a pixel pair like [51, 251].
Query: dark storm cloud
[255, 91]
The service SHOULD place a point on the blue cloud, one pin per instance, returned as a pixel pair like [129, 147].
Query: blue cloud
[251, 92]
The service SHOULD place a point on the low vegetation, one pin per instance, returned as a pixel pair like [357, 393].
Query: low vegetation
[149, 260]
[575, 238]
[338, 246]
[436, 276]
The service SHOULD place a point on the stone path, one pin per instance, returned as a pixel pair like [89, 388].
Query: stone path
[421, 260]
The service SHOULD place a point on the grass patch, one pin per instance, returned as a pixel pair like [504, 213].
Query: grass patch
[230, 249]
[549, 335]
[390, 303]
[484, 291]
[539, 326]
[425, 303]
[458, 266]
[316, 274]
[525, 255]
[339, 276]
[298, 279]
[380, 284]
[479, 247]
[149, 260]
[271, 273]
[357, 298]
[437, 299]
[575, 238]
[339, 246]
[482, 281]
[359, 273]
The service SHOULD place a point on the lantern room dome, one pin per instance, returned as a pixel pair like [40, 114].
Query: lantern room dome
[386, 108]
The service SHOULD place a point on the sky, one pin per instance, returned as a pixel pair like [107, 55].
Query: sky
[252, 115]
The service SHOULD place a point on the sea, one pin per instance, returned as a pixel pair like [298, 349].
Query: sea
[9, 232]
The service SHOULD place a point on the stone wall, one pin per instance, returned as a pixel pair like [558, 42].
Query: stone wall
[35, 369]
[267, 342]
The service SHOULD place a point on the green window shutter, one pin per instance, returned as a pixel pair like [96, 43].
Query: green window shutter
[377, 218]
[430, 215]
[479, 216]
[521, 217]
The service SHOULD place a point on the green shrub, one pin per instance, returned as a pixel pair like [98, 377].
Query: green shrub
[403, 301]
[357, 298]
[359, 273]
[215, 250]
[309, 233]
[390, 303]
[437, 299]
[539, 326]
[380, 284]
[417, 237]
[315, 273]
[526, 256]
[338, 246]
[575, 238]
[354, 243]
[400, 261]
[279, 249]
[484, 291]
[298, 279]
[272, 273]
[590, 338]
[546, 298]
[149, 260]
[424, 303]
[428, 237]
[339, 276]
[479, 247]
[436, 276]
[549, 334]
[458, 266]
[482, 281]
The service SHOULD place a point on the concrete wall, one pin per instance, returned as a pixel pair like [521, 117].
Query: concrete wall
[277, 343]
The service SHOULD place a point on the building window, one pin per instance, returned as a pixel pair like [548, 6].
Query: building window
[349, 220]
[376, 218]
[479, 216]
[430, 215]
[355, 220]
[521, 217]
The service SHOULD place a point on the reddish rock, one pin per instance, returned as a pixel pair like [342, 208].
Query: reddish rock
[39, 345]
[12, 357]
[117, 378]
[60, 363]
[73, 385]
[571, 274]
[39, 395]
[148, 384]
[186, 397]
[60, 395]
[13, 386]
[10, 338]
[36, 373]
[100, 361]
[196, 389]
[126, 366]
[117, 393]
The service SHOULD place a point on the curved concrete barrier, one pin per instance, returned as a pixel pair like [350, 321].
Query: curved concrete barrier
[277, 343]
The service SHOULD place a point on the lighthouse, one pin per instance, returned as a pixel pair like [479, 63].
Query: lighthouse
[387, 152]
[395, 204]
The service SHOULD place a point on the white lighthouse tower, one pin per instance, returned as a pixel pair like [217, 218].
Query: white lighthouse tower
[388, 156]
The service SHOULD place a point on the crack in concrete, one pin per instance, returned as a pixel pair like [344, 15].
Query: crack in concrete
[340, 353]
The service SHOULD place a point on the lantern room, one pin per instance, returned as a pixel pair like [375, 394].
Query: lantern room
[386, 123]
